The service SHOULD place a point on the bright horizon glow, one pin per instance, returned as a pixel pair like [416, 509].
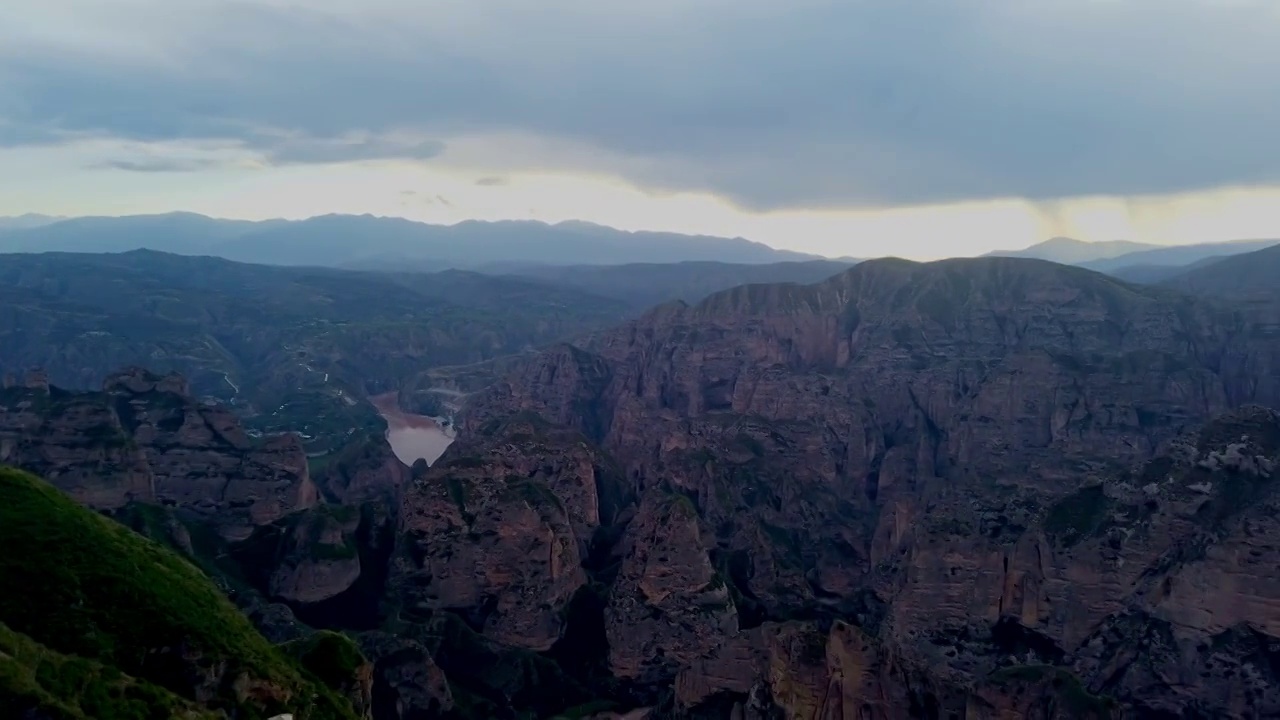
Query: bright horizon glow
[76, 180]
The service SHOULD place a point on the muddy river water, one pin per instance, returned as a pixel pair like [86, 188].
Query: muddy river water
[412, 436]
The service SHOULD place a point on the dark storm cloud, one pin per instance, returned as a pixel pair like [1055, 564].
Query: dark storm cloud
[786, 103]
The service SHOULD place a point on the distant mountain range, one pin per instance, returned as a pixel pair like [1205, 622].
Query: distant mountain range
[1253, 275]
[1136, 262]
[1177, 256]
[641, 268]
[1070, 251]
[30, 220]
[368, 242]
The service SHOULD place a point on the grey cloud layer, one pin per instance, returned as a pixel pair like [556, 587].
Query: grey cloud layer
[786, 103]
[155, 165]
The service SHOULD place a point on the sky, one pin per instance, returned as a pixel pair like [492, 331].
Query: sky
[926, 128]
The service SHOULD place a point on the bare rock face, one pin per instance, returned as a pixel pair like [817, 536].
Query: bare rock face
[202, 459]
[408, 683]
[500, 535]
[669, 606]
[975, 475]
[1194, 540]
[77, 442]
[803, 670]
[138, 381]
[37, 380]
[143, 439]
[320, 557]
[366, 471]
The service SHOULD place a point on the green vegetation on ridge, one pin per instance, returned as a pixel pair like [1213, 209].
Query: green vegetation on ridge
[36, 680]
[94, 589]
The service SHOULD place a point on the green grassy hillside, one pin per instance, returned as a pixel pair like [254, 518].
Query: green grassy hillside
[92, 589]
[38, 682]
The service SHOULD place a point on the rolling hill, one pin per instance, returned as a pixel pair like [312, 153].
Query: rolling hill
[1176, 255]
[1249, 275]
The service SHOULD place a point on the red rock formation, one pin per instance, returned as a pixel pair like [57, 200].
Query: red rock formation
[503, 535]
[319, 556]
[144, 439]
[935, 454]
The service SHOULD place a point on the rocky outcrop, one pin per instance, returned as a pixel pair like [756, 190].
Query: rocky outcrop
[407, 682]
[202, 459]
[501, 534]
[669, 607]
[939, 457]
[77, 442]
[984, 489]
[144, 439]
[1149, 587]
[318, 556]
[364, 471]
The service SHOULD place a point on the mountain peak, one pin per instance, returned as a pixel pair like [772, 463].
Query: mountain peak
[938, 287]
[1072, 251]
[1063, 241]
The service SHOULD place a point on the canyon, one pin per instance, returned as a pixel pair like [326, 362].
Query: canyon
[988, 488]
[957, 489]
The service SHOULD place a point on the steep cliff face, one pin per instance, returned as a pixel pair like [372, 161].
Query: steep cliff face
[937, 457]
[75, 440]
[500, 530]
[319, 556]
[186, 474]
[144, 438]
[364, 471]
[1193, 541]
[668, 606]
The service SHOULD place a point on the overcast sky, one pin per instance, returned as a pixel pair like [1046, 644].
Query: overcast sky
[933, 127]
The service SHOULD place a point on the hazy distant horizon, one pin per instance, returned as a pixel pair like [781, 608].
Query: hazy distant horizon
[50, 219]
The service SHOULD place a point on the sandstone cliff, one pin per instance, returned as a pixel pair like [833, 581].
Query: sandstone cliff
[990, 488]
[501, 535]
[144, 438]
[174, 468]
[958, 489]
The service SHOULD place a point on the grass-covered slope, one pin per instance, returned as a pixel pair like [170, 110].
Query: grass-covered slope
[82, 585]
[38, 682]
